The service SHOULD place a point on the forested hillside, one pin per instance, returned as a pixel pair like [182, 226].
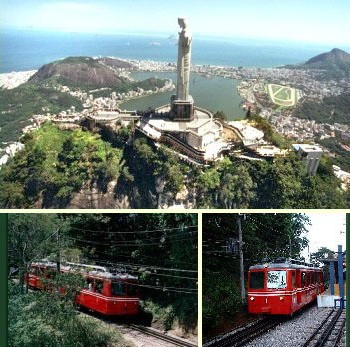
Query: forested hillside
[123, 169]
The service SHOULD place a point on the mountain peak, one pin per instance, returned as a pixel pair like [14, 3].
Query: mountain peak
[336, 55]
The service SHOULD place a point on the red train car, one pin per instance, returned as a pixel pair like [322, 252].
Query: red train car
[106, 292]
[283, 287]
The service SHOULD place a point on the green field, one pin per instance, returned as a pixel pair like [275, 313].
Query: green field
[284, 94]
[281, 95]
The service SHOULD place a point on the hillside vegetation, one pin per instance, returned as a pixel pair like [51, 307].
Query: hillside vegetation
[332, 109]
[54, 165]
[19, 104]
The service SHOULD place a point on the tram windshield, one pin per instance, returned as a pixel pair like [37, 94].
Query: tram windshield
[256, 280]
[118, 288]
[276, 279]
[132, 290]
[123, 289]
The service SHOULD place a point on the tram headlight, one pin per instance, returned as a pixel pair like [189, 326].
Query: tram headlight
[281, 298]
[252, 298]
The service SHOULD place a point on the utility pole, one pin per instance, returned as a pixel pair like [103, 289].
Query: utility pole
[241, 266]
[58, 255]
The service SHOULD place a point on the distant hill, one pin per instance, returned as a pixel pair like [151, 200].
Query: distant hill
[335, 64]
[82, 72]
[335, 56]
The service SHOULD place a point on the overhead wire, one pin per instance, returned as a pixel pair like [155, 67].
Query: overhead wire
[135, 232]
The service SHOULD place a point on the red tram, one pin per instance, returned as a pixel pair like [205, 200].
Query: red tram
[109, 293]
[283, 287]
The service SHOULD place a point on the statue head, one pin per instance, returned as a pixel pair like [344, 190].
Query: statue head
[182, 22]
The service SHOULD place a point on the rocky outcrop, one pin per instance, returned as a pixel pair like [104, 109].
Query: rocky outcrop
[79, 71]
[92, 197]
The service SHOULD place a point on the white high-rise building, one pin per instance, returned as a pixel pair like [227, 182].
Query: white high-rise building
[311, 154]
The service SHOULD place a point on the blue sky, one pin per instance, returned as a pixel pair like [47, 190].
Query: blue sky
[318, 21]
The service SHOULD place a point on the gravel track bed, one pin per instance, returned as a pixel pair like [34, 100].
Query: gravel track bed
[140, 339]
[295, 331]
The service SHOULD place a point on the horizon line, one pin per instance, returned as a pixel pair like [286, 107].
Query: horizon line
[200, 35]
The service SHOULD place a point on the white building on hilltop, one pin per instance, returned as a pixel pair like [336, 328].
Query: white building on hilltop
[311, 154]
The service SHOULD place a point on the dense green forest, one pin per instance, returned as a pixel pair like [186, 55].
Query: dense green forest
[264, 236]
[55, 165]
[18, 105]
[341, 156]
[332, 109]
[161, 249]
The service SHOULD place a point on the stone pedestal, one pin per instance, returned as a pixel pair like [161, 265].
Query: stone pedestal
[182, 110]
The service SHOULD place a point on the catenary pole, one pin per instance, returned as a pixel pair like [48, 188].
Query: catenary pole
[241, 266]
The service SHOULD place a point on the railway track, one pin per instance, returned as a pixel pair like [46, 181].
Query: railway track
[156, 334]
[329, 332]
[162, 336]
[241, 337]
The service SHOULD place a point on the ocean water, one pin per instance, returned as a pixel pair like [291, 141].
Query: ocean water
[28, 50]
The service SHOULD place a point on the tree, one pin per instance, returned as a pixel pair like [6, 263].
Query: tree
[220, 115]
[207, 184]
[316, 258]
[237, 188]
[49, 318]
[32, 237]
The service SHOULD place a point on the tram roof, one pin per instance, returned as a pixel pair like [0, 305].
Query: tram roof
[93, 270]
[284, 263]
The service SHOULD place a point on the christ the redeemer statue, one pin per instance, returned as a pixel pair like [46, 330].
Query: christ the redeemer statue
[182, 104]
[183, 61]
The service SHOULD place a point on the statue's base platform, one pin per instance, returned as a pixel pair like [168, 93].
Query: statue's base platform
[182, 110]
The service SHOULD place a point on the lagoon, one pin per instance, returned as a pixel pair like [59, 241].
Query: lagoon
[213, 93]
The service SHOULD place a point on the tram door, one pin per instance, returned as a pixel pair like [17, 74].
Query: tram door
[293, 287]
[299, 285]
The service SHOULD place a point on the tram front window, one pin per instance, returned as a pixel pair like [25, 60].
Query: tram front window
[256, 280]
[118, 288]
[132, 290]
[276, 279]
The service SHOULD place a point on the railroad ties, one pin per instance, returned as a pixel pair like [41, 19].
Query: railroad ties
[330, 332]
[242, 336]
[162, 336]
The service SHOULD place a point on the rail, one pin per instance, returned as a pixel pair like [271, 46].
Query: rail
[162, 336]
[238, 338]
[321, 336]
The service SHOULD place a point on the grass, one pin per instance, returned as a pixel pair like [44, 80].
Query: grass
[275, 88]
[284, 94]
[281, 96]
